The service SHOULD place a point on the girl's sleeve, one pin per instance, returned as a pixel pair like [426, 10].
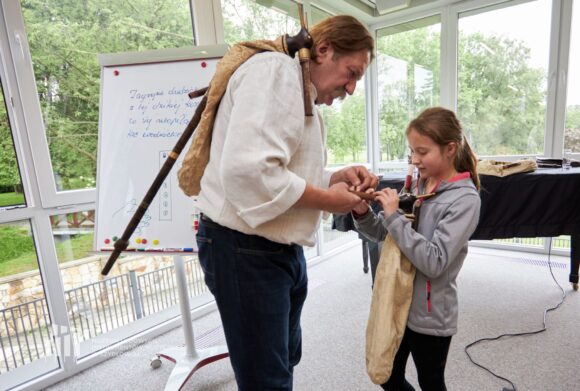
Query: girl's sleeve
[371, 226]
[452, 232]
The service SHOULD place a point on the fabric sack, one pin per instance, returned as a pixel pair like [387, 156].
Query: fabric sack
[390, 304]
[197, 157]
[498, 168]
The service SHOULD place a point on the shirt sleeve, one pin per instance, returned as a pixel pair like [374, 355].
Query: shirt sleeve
[265, 129]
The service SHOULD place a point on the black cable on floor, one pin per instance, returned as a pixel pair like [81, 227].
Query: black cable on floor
[518, 334]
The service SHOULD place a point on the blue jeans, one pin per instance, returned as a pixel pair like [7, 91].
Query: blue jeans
[259, 287]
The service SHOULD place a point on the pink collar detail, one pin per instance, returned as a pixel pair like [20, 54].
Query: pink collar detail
[460, 176]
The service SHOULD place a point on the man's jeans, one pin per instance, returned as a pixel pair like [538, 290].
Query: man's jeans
[259, 287]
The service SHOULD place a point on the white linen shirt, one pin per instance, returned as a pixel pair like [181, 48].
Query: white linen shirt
[263, 152]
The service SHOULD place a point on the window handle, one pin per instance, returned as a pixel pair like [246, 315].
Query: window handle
[18, 41]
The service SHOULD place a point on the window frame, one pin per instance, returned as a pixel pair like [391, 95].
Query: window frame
[560, 25]
[560, 44]
[33, 124]
[444, 101]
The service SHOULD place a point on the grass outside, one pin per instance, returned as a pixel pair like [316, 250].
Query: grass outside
[560, 243]
[70, 250]
[9, 199]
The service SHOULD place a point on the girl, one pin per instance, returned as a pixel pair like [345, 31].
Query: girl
[447, 167]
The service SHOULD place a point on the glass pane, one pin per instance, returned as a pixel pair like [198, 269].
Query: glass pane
[65, 38]
[345, 124]
[563, 242]
[11, 192]
[345, 121]
[408, 61]
[138, 287]
[503, 64]
[572, 134]
[558, 243]
[246, 20]
[521, 242]
[310, 252]
[25, 326]
[334, 238]
[73, 235]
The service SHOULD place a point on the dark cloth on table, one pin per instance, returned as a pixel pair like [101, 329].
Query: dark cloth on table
[543, 203]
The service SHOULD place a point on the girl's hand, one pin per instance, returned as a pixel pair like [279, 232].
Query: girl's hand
[389, 199]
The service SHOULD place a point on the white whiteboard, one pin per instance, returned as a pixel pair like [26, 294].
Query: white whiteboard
[144, 110]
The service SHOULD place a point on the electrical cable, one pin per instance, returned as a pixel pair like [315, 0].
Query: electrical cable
[544, 328]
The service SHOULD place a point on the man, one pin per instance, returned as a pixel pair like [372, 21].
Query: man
[262, 194]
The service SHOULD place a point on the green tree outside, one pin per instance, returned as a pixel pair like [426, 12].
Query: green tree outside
[247, 20]
[501, 100]
[10, 182]
[402, 100]
[65, 38]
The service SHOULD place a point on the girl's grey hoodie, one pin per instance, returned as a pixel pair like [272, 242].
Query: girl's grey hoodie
[437, 249]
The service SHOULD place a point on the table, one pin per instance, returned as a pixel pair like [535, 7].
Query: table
[543, 203]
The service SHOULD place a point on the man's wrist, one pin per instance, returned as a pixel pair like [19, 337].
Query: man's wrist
[334, 178]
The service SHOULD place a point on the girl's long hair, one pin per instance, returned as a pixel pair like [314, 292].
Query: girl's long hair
[442, 126]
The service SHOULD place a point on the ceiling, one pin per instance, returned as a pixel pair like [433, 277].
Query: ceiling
[373, 11]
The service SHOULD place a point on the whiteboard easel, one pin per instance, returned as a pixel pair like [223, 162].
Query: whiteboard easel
[144, 109]
[187, 358]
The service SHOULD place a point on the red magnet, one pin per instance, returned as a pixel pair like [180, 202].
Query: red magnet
[203, 64]
[116, 72]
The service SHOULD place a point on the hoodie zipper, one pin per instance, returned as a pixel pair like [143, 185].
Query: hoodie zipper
[428, 295]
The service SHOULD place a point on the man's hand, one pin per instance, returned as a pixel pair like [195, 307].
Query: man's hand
[336, 199]
[339, 200]
[389, 199]
[356, 177]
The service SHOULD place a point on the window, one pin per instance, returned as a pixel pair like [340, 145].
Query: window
[11, 192]
[141, 289]
[73, 235]
[334, 238]
[345, 124]
[572, 131]
[345, 121]
[246, 20]
[502, 73]
[408, 62]
[25, 325]
[65, 39]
